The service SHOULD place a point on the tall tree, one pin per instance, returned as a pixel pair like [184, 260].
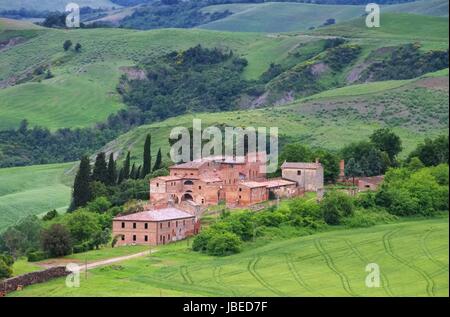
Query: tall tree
[100, 172]
[120, 179]
[133, 171]
[387, 141]
[146, 168]
[353, 169]
[158, 161]
[126, 166]
[112, 170]
[138, 171]
[81, 187]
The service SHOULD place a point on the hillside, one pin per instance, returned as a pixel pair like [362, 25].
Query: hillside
[412, 255]
[33, 190]
[52, 5]
[289, 17]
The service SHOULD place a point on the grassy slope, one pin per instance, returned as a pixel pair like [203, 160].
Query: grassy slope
[412, 256]
[32, 190]
[83, 90]
[288, 17]
[52, 5]
[312, 122]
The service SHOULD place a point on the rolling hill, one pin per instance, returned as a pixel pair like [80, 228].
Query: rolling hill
[289, 17]
[412, 256]
[52, 5]
[33, 190]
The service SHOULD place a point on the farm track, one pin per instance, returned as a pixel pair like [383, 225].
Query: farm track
[331, 265]
[251, 267]
[296, 275]
[185, 275]
[428, 253]
[384, 278]
[218, 279]
[387, 237]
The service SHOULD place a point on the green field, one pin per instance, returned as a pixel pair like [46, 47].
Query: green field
[33, 190]
[412, 257]
[289, 17]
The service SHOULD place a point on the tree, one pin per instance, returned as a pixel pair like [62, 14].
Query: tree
[432, 152]
[112, 170]
[158, 161]
[146, 168]
[223, 243]
[100, 205]
[100, 172]
[126, 166]
[81, 187]
[67, 44]
[56, 241]
[353, 169]
[82, 225]
[78, 47]
[336, 205]
[330, 163]
[387, 141]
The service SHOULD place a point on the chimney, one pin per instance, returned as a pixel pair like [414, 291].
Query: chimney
[342, 169]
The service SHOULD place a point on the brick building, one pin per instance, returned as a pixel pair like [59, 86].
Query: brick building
[154, 227]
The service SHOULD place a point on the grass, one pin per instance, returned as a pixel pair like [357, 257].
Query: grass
[33, 190]
[107, 253]
[318, 120]
[412, 256]
[22, 266]
[289, 17]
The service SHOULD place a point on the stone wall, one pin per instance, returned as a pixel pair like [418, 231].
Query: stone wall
[16, 282]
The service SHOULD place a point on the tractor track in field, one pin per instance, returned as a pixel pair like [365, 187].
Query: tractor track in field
[428, 253]
[384, 278]
[331, 265]
[387, 243]
[185, 275]
[296, 275]
[218, 279]
[251, 267]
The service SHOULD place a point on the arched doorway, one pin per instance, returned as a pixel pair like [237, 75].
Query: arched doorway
[187, 196]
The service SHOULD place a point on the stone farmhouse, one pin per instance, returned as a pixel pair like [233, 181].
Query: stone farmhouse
[177, 200]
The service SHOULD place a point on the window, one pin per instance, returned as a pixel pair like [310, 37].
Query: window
[188, 182]
[146, 225]
[199, 187]
[299, 172]
[168, 224]
[160, 225]
[134, 237]
[240, 189]
[123, 225]
[160, 238]
[157, 184]
[240, 196]
[146, 238]
[184, 222]
[168, 237]
[123, 237]
[176, 224]
[134, 225]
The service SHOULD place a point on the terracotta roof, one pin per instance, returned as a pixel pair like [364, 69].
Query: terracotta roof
[300, 165]
[156, 215]
[251, 184]
[278, 182]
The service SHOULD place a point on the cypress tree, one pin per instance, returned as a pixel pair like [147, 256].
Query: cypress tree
[146, 168]
[81, 188]
[133, 171]
[120, 178]
[100, 172]
[158, 162]
[126, 166]
[112, 171]
[138, 172]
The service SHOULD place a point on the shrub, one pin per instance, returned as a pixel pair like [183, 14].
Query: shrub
[100, 205]
[35, 256]
[5, 270]
[8, 259]
[56, 241]
[223, 243]
[335, 206]
[201, 240]
[366, 218]
[50, 215]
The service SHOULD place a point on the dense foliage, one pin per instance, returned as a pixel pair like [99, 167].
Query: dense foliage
[407, 62]
[198, 79]
[432, 151]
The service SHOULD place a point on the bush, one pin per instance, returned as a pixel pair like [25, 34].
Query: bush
[8, 259]
[223, 243]
[5, 270]
[99, 205]
[367, 218]
[336, 205]
[56, 241]
[201, 240]
[50, 215]
[35, 256]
